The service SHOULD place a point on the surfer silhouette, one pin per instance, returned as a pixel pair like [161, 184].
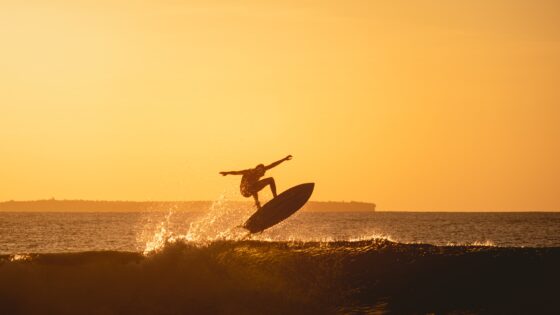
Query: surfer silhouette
[251, 183]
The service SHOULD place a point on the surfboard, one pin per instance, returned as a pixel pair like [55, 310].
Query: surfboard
[279, 208]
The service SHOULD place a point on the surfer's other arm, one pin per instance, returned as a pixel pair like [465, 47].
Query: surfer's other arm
[233, 173]
[289, 157]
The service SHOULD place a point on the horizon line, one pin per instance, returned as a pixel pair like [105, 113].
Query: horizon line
[193, 200]
[319, 201]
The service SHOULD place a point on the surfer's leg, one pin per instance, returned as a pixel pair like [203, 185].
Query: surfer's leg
[263, 183]
[256, 196]
[272, 186]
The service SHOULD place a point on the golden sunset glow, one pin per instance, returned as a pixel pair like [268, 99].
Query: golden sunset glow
[413, 105]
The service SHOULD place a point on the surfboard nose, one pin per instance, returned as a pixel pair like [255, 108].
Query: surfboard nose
[305, 186]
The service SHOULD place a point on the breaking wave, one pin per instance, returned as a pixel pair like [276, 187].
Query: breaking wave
[257, 277]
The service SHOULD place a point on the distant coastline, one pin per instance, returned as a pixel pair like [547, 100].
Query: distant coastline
[53, 205]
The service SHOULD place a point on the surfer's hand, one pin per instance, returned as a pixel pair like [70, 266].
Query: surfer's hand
[224, 173]
[289, 157]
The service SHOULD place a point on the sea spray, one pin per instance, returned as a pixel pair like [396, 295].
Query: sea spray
[220, 222]
[161, 236]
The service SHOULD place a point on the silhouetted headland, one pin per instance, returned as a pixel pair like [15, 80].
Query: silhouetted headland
[53, 205]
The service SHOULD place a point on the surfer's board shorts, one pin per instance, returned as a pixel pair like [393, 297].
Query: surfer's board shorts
[246, 190]
[251, 188]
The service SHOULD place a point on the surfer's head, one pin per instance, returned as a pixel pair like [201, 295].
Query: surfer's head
[260, 168]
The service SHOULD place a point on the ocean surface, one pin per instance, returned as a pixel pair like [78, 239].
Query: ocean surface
[177, 262]
[71, 232]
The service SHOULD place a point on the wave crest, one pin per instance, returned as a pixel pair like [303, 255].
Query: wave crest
[256, 277]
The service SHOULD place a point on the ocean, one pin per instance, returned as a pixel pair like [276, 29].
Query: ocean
[56, 232]
[177, 262]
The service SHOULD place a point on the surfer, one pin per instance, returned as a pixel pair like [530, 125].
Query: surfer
[251, 183]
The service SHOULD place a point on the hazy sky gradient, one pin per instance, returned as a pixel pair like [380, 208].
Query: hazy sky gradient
[414, 105]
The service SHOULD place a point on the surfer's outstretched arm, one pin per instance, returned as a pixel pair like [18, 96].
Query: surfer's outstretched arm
[233, 173]
[289, 157]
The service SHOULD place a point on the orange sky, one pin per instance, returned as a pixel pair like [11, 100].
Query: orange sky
[414, 105]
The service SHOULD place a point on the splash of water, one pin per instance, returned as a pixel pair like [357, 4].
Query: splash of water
[486, 243]
[20, 257]
[220, 222]
[161, 235]
[373, 236]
